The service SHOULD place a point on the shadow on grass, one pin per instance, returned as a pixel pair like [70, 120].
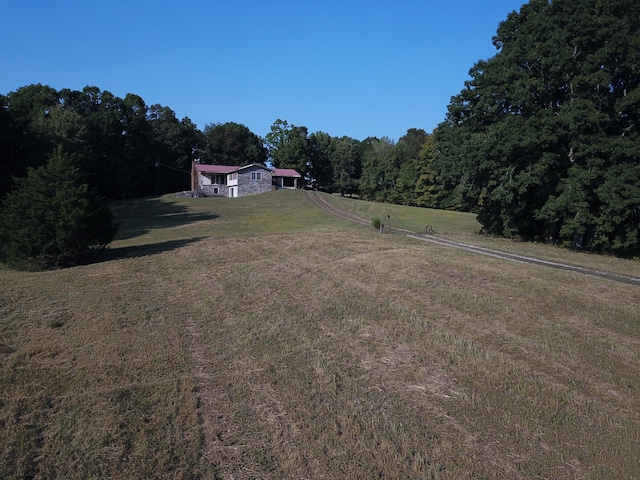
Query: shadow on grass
[137, 251]
[138, 217]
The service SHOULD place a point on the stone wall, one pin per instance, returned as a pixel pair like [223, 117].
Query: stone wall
[249, 186]
[208, 191]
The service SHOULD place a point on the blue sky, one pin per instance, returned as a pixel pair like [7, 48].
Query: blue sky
[348, 67]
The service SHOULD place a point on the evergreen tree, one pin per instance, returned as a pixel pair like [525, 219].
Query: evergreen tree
[23, 143]
[427, 189]
[51, 218]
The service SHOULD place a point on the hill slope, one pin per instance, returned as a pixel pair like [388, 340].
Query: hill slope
[261, 337]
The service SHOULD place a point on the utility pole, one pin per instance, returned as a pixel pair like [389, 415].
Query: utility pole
[158, 179]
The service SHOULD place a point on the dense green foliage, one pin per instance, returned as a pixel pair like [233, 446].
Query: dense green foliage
[126, 148]
[289, 147]
[543, 143]
[52, 218]
[232, 144]
[376, 169]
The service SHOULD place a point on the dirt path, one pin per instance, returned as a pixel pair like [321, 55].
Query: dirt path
[317, 198]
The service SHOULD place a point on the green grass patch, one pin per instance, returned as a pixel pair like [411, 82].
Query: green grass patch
[260, 337]
[415, 219]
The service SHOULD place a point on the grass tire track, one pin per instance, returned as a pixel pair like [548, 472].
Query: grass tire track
[317, 199]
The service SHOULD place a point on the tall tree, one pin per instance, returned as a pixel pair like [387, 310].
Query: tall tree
[119, 143]
[232, 144]
[347, 164]
[427, 189]
[413, 141]
[104, 159]
[288, 147]
[138, 156]
[9, 164]
[61, 126]
[532, 140]
[379, 169]
[407, 157]
[53, 218]
[320, 152]
[173, 143]
[27, 145]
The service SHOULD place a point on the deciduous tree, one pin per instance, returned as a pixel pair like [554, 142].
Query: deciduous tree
[347, 164]
[320, 154]
[533, 140]
[232, 144]
[288, 147]
[379, 169]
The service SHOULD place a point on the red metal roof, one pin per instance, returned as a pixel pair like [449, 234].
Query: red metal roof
[286, 172]
[223, 169]
[215, 168]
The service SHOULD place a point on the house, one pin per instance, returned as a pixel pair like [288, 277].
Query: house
[233, 181]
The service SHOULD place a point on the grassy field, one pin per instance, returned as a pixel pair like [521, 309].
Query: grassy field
[259, 337]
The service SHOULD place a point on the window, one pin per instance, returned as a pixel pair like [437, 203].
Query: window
[215, 190]
[256, 175]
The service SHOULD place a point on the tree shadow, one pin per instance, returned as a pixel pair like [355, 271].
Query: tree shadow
[138, 251]
[138, 217]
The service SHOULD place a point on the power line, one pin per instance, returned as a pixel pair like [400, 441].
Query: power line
[172, 168]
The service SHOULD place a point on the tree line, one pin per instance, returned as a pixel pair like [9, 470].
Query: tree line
[128, 149]
[542, 142]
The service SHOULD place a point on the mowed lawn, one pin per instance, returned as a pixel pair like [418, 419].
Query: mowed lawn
[260, 337]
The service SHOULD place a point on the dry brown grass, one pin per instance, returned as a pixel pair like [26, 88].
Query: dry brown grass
[309, 348]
